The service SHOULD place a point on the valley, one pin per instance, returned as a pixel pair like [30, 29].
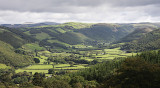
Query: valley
[97, 55]
[83, 53]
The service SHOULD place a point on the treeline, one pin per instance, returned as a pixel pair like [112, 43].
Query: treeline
[71, 59]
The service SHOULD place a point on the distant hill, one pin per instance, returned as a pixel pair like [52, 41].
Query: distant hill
[106, 32]
[54, 35]
[73, 33]
[29, 24]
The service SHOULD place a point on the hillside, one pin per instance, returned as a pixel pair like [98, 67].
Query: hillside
[9, 57]
[68, 35]
[10, 41]
[150, 41]
[106, 32]
[137, 34]
[14, 37]
[72, 33]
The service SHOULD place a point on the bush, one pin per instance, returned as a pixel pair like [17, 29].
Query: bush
[36, 60]
[50, 71]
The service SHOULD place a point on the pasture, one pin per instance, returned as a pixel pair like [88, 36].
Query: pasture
[95, 54]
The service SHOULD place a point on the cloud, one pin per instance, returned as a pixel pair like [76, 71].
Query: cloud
[47, 5]
[68, 5]
[112, 11]
[131, 3]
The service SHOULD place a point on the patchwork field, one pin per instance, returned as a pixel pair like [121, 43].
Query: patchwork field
[57, 67]
[95, 55]
[32, 47]
[109, 54]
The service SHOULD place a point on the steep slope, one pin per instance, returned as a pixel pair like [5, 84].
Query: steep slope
[73, 33]
[106, 32]
[137, 34]
[9, 57]
[151, 41]
[14, 37]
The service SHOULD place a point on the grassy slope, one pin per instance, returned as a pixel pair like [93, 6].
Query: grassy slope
[72, 38]
[106, 32]
[75, 25]
[74, 33]
[150, 41]
[32, 47]
[9, 57]
[15, 37]
[137, 34]
[41, 36]
[11, 38]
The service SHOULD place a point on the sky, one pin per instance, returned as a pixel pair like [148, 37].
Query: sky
[90, 11]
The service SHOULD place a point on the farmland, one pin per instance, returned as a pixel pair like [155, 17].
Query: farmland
[99, 55]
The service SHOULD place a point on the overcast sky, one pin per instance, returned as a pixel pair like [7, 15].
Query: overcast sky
[104, 11]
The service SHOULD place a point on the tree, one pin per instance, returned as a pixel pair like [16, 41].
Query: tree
[37, 80]
[71, 63]
[159, 52]
[77, 85]
[20, 80]
[51, 71]
[26, 85]
[56, 84]
[36, 52]
[36, 60]
[77, 79]
[94, 62]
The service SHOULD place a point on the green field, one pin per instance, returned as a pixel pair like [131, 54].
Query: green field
[32, 47]
[39, 67]
[67, 66]
[44, 68]
[60, 30]
[33, 71]
[109, 54]
[114, 53]
[42, 36]
[43, 55]
[81, 46]
[3, 66]
[63, 54]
